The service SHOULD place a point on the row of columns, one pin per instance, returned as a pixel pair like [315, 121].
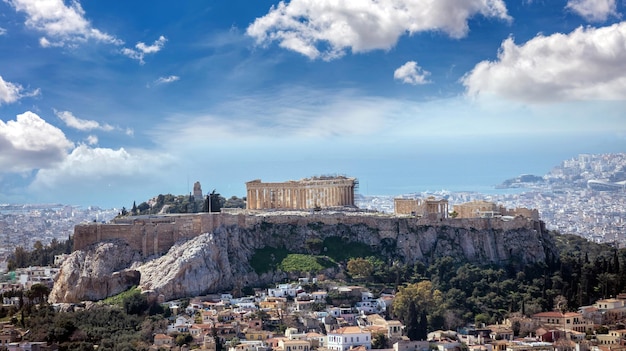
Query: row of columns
[307, 197]
[437, 207]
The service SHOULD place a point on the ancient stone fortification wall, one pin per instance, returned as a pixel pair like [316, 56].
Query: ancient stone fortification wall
[156, 235]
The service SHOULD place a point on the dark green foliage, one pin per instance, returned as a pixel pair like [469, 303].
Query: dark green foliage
[342, 249]
[183, 339]
[169, 203]
[107, 326]
[314, 245]
[143, 208]
[235, 202]
[135, 303]
[267, 258]
[217, 340]
[379, 341]
[413, 323]
[40, 255]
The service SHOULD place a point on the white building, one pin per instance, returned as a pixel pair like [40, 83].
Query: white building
[345, 338]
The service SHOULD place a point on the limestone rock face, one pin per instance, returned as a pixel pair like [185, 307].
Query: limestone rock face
[219, 261]
[96, 273]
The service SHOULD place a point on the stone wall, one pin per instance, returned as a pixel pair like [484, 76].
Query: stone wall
[155, 235]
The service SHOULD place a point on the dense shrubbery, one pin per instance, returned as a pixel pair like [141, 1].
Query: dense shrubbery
[41, 255]
[471, 292]
[169, 203]
[305, 263]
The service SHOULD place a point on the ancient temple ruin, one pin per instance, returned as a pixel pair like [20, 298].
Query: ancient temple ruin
[428, 208]
[310, 193]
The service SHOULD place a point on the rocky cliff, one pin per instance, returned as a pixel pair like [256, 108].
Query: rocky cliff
[219, 260]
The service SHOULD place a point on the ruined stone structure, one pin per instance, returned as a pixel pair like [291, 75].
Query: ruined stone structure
[486, 209]
[478, 209]
[197, 191]
[309, 193]
[428, 208]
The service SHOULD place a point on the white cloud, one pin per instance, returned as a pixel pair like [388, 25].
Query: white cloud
[593, 10]
[411, 73]
[141, 49]
[586, 64]
[3, 31]
[81, 124]
[65, 25]
[92, 140]
[29, 143]
[165, 80]
[11, 92]
[323, 29]
[86, 165]
[293, 114]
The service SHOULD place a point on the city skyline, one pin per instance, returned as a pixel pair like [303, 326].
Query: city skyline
[105, 104]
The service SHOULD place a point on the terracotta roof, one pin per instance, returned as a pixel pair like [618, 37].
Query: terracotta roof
[347, 330]
[556, 314]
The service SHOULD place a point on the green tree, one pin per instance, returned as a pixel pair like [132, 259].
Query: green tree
[143, 208]
[235, 202]
[422, 294]
[360, 268]
[217, 340]
[412, 322]
[38, 293]
[183, 338]
[379, 341]
[136, 303]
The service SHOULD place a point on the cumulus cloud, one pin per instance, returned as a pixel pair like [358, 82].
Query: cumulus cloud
[29, 143]
[92, 140]
[411, 73]
[323, 29]
[3, 31]
[593, 10]
[586, 64]
[141, 49]
[63, 25]
[81, 124]
[11, 92]
[166, 80]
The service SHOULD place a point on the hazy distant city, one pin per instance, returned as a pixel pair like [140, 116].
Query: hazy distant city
[566, 199]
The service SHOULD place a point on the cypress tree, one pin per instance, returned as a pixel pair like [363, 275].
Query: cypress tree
[413, 325]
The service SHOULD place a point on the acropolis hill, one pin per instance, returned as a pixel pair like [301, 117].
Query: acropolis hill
[184, 255]
[155, 235]
[300, 203]
[179, 255]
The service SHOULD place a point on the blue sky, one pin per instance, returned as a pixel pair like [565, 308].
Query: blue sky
[106, 103]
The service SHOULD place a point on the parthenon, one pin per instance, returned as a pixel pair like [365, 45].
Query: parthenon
[308, 193]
